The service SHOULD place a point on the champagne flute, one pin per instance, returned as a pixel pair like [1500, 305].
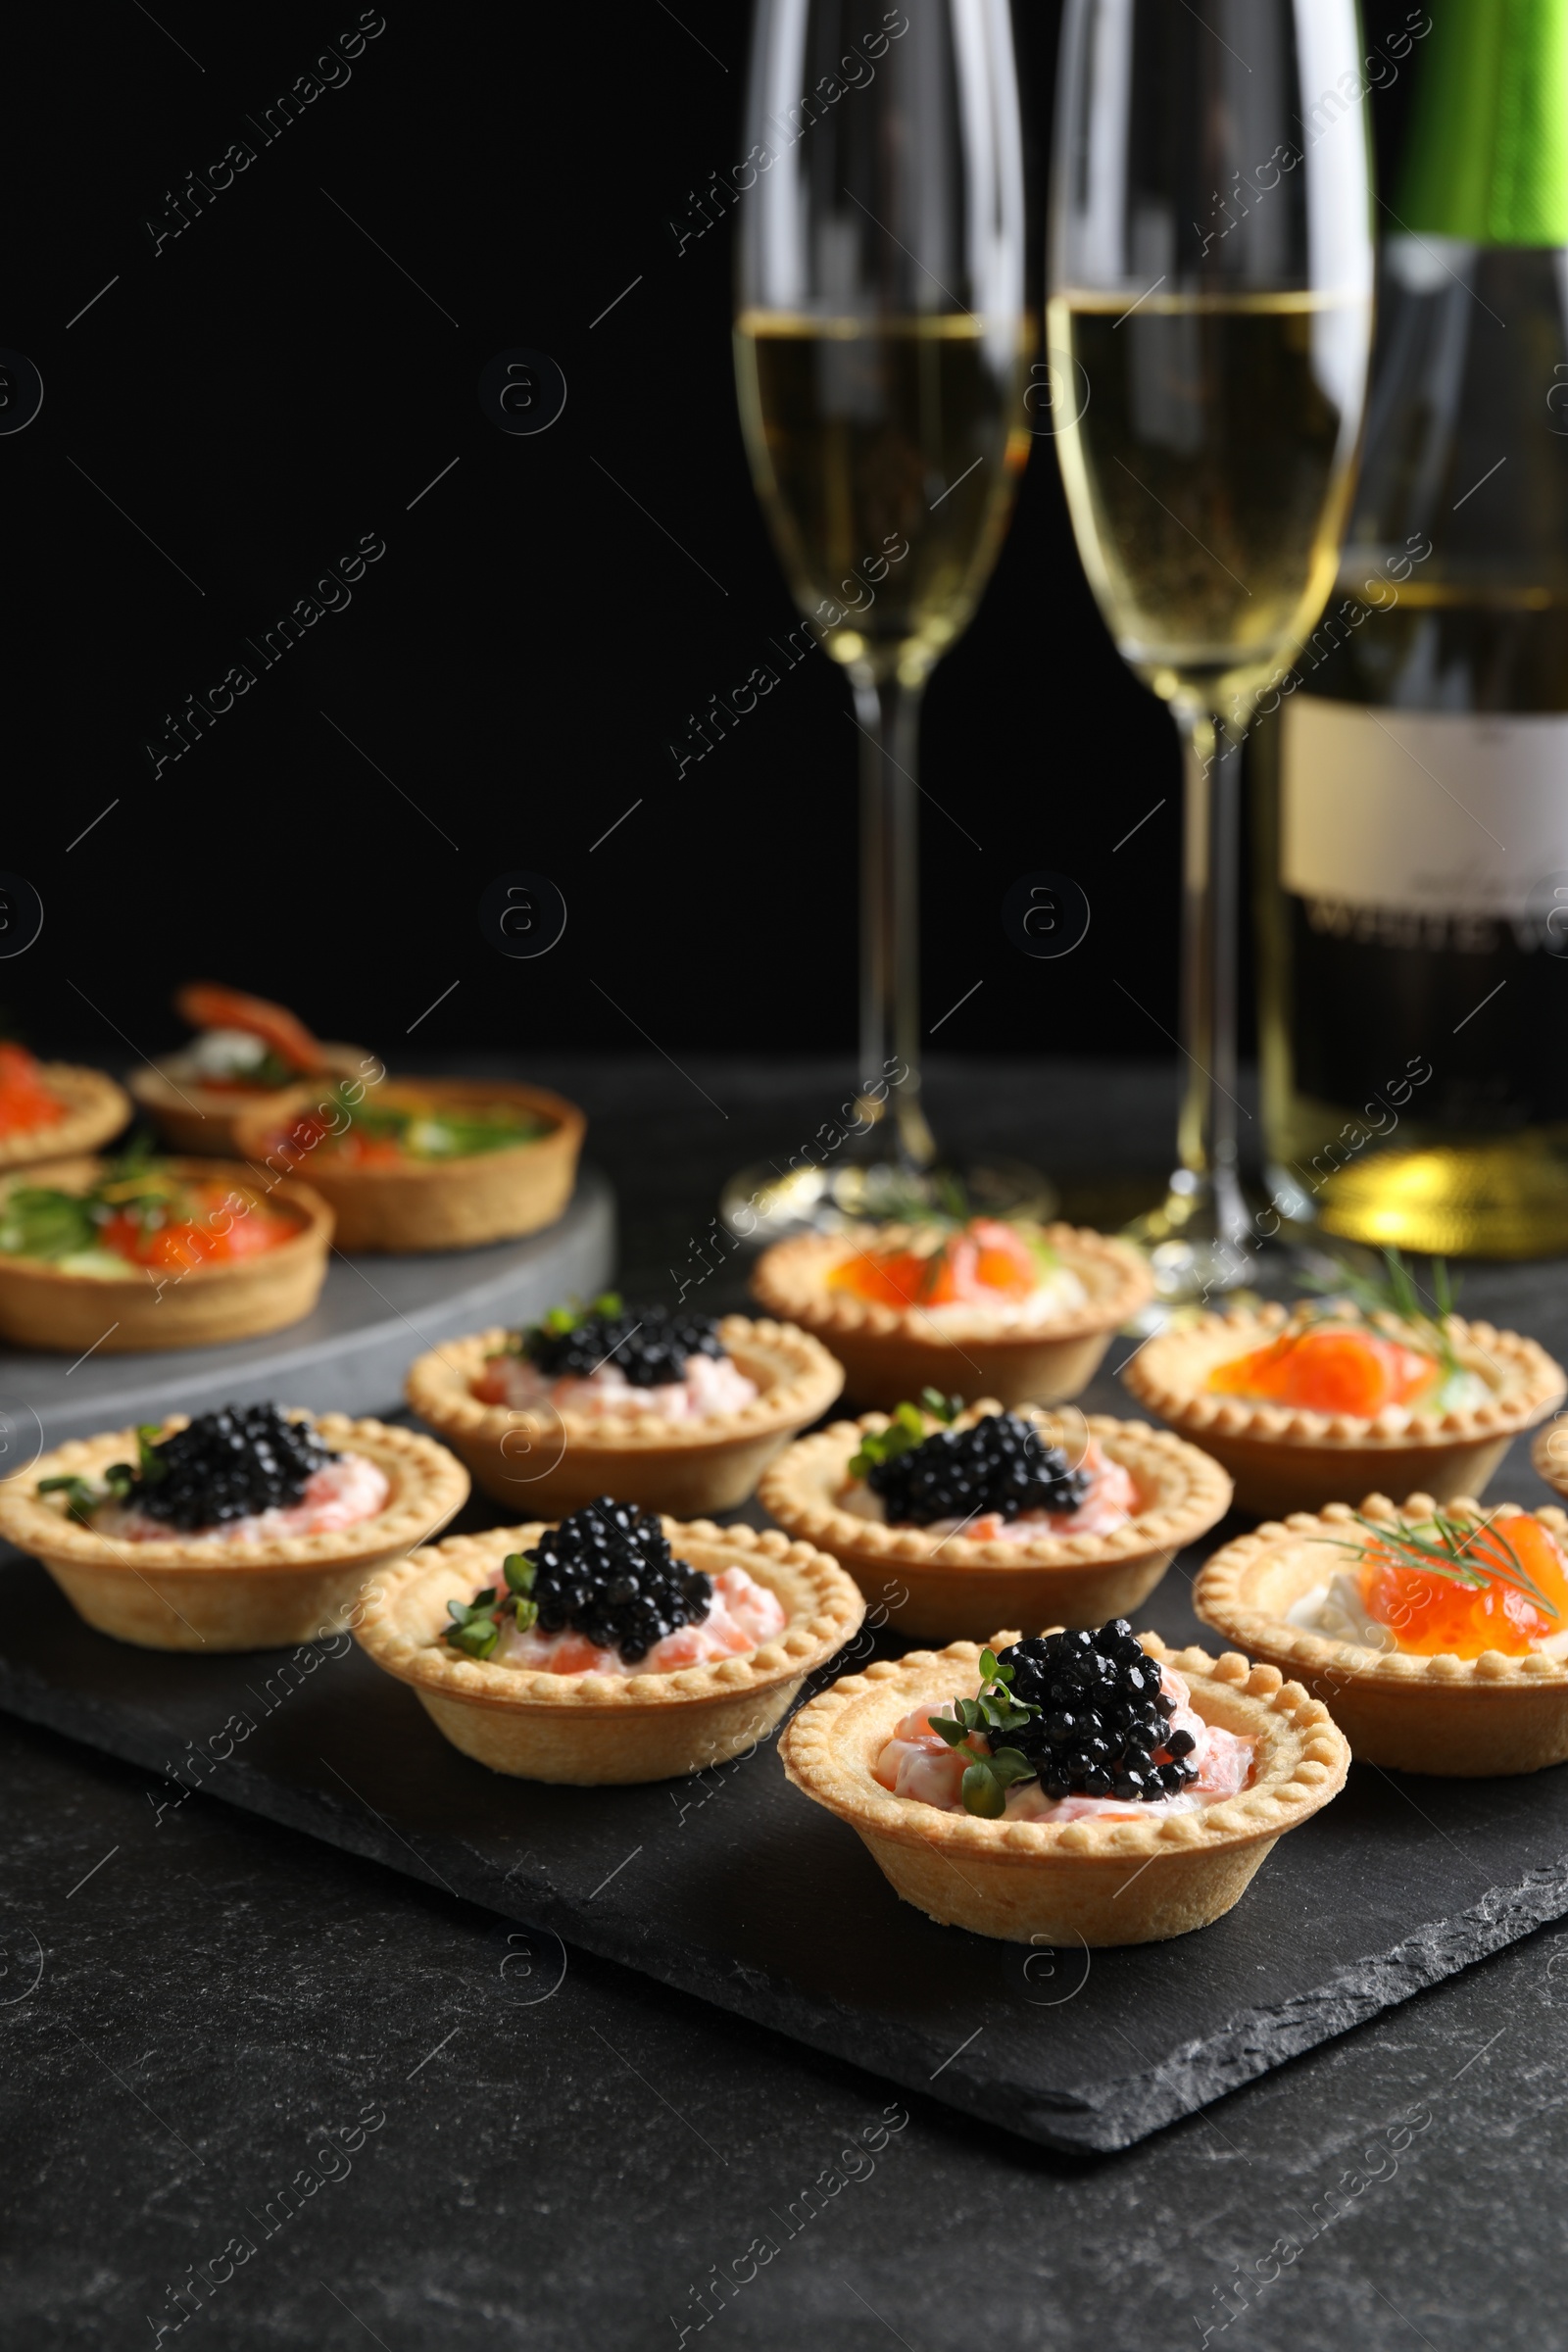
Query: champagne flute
[1208, 325]
[881, 350]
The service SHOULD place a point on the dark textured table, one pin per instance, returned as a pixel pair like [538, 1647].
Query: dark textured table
[360, 2110]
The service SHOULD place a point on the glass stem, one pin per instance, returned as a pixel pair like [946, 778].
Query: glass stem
[1207, 1193]
[889, 716]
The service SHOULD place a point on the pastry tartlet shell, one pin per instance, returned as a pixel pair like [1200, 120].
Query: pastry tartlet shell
[196, 1118]
[593, 1728]
[1549, 1454]
[1098, 1882]
[174, 1594]
[1284, 1459]
[447, 1203]
[951, 1581]
[892, 1352]
[40, 1307]
[1454, 1718]
[554, 1462]
[96, 1109]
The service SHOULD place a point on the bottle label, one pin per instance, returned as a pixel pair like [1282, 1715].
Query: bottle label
[1426, 813]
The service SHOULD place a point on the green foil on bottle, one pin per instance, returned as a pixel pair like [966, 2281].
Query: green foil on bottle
[1487, 156]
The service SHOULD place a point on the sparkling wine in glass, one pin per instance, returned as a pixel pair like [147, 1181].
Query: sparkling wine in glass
[1209, 326]
[881, 352]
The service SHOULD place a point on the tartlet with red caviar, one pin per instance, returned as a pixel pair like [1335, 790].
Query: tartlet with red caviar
[425, 1163]
[950, 1519]
[130, 1253]
[50, 1109]
[613, 1647]
[677, 1412]
[975, 1781]
[241, 1528]
[1313, 1406]
[1436, 1634]
[1011, 1309]
[246, 1056]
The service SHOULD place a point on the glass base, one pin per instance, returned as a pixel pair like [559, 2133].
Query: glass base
[1202, 1246]
[1195, 1269]
[762, 1205]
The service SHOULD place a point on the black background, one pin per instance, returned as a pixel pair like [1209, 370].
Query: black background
[271, 386]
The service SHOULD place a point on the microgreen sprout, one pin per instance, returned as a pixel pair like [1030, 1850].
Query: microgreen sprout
[904, 1431]
[991, 1716]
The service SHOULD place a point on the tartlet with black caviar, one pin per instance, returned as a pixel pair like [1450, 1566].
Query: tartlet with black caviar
[982, 1308]
[132, 1254]
[1315, 1405]
[1436, 1633]
[241, 1528]
[1089, 1786]
[615, 1647]
[411, 1164]
[946, 1518]
[246, 1056]
[676, 1412]
[49, 1110]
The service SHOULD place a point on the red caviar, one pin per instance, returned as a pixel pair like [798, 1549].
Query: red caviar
[1330, 1372]
[1433, 1614]
[986, 1260]
[25, 1102]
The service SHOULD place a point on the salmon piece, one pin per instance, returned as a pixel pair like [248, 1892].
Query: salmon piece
[207, 1005]
[985, 1261]
[1356, 1372]
[574, 1654]
[1431, 1615]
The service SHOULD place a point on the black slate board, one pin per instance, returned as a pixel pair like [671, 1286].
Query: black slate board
[735, 1888]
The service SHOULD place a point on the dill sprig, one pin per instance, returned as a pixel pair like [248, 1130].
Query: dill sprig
[1445, 1552]
[1395, 1291]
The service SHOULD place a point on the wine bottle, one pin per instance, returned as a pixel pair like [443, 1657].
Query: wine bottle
[1413, 800]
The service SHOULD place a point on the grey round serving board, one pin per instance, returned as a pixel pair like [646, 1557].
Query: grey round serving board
[374, 1315]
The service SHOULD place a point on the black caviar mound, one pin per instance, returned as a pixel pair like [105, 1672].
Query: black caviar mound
[999, 1464]
[650, 1344]
[225, 1465]
[1103, 1726]
[608, 1572]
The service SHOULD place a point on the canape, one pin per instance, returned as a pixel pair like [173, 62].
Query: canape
[986, 1308]
[1313, 1406]
[246, 1056]
[613, 1647]
[1549, 1453]
[49, 1110]
[239, 1530]
[1437, 1635]
[425, 1163]
[947, 1520]
[1074, 1787]
[677, 1412]
[124, 1254]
